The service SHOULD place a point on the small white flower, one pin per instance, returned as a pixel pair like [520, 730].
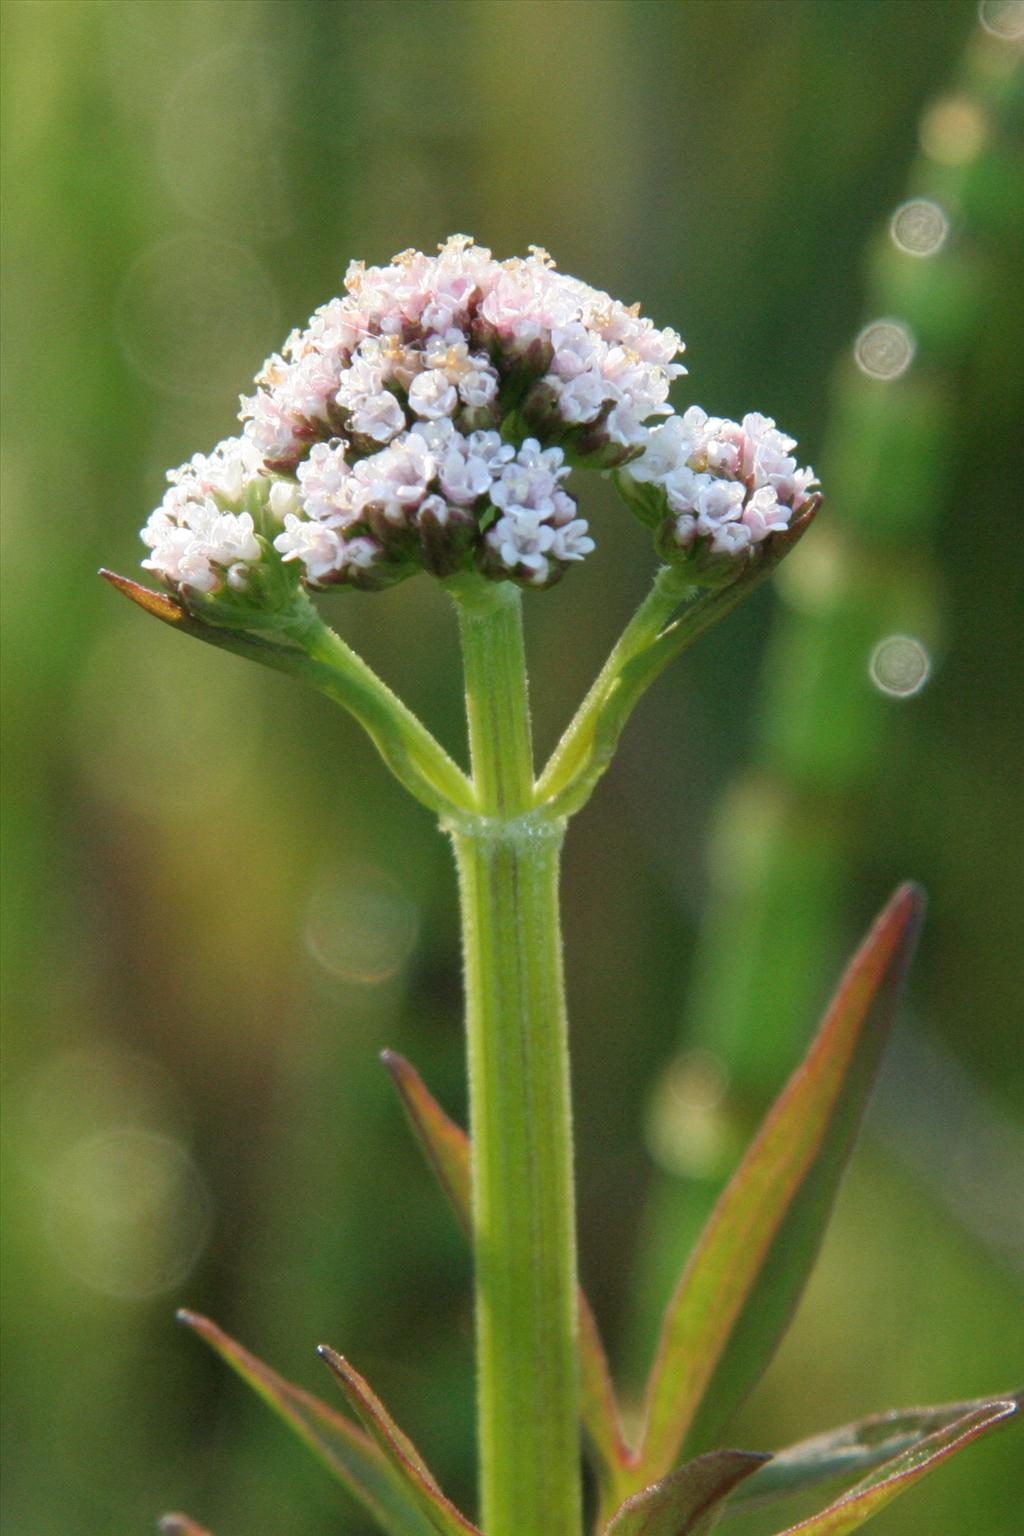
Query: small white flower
[490, 447]
[765, 514]
[463, 476]
[397, 479]
[522, 540]
[718, 501]
[572, 541]
[731, 539]
[431, 396]
[284, 498]
[320, 549]
[326, 484]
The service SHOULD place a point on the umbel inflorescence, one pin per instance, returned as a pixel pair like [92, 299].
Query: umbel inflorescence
[430, 417]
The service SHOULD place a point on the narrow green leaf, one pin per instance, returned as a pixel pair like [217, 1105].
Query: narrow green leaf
[445, 1144]
[686, 1502]
[343, 1448]
[750, 1265]
[887, 1482]
[181, 1525]
[398, 1448]
[446, 1147]
[845, 1453]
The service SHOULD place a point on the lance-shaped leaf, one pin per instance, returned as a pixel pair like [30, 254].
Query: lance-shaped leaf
[342, 1446]
[845, 1453]
[686, 1502]
[750, 1265]
[446, 1147]
[399, 1449]
[887, 1482]
[181, 1525]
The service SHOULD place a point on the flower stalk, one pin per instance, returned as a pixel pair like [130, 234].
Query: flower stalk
[429, 420]
[520, 1112]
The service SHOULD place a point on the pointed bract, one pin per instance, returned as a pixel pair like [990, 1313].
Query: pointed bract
[750, 1265]
[687, 1501]
[398, 1448]
[344, 1448]
[160, 606]
[847, 1452]
[447, 1149]
[861, 1503]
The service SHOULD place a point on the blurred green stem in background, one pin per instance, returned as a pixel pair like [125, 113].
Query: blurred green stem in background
[784, 850]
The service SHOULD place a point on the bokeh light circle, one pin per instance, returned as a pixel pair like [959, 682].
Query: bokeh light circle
[223, 134]
[128, 1212]
[1003, 18]
[899, 666]
[919, 227]
[195, 315]
[884, 349]
[360, 924]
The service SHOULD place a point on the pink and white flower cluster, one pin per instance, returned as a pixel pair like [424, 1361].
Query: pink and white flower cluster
[727, 485]
[429, 418]
[436, 483]
[200, 537]
[429, 415]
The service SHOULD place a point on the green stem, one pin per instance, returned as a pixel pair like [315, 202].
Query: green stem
[671, 585]
[523, 1207]
[414, 755]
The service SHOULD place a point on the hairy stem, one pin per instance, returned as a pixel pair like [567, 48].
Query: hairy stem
[523, 1209]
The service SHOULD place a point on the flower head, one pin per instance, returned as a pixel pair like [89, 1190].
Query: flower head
[429, 418]
[715, 490]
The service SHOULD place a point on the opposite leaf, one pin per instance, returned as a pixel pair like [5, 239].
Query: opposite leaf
[746, 1274]
[447, 1149]
[346, 1451]
[845, 1453]
[886, 1483]
[686, 1502]
[398, 1448]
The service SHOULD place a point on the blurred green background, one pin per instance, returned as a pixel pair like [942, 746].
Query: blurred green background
[220, 908]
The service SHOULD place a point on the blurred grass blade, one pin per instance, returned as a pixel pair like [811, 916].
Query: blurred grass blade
[686, 1502]
[446, 1147]
[887, 1482]
[746, 1274]
[344, 1448]
[398, 1448]
[181, 1525]
[844, 1453]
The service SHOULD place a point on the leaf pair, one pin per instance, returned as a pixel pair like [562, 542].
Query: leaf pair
[740, 1287]
[721, 1326]
[378, 1464]
[899, 1448]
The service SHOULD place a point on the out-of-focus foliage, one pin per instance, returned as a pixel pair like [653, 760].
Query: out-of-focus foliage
[220, 908]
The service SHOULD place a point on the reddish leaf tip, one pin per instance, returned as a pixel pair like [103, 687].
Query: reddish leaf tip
[338, 1364]
[157, 603]
[397, 1065]
[204, 1326]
